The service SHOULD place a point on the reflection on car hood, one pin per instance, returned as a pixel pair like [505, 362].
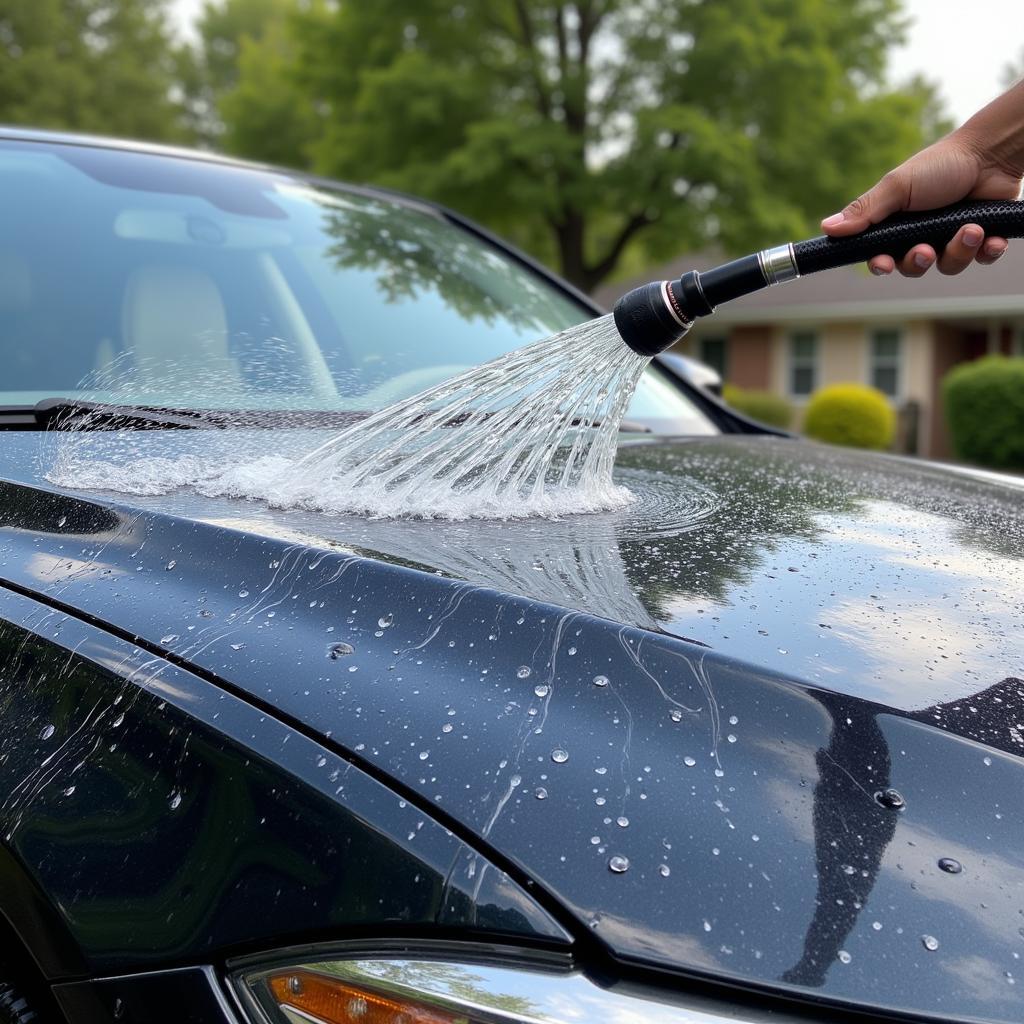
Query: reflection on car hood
[882, 577]
[714, 806]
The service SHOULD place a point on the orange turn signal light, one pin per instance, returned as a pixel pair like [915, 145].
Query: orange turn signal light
[332, 1001]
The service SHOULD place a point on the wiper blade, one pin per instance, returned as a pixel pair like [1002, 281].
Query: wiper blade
[78, 414]
[634, 427]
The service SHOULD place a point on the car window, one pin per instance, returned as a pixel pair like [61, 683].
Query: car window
[157, 280]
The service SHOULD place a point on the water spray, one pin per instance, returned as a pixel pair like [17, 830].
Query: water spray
[655, 316]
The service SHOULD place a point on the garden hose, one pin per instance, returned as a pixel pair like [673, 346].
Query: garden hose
[655, 316]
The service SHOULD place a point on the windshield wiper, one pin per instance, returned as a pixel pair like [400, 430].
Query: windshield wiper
[79, 414]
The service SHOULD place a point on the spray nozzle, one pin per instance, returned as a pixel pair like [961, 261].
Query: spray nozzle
[655, 316]
[651, 318]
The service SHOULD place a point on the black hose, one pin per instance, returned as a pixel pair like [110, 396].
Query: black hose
[899, 234]
[655, 316]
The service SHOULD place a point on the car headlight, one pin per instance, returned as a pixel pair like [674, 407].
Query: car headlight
[389, 990]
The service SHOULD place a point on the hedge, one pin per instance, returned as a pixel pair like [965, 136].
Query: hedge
[850, 414]
[984, 403]
[762, 406]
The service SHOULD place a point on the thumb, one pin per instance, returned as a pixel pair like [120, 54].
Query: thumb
[891, 194]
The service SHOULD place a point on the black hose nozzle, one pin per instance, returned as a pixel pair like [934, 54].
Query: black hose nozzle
[651, 318]
[655, 316]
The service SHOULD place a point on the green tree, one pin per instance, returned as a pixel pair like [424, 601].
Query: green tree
[90, 65]
[583, 128]
[236, 78]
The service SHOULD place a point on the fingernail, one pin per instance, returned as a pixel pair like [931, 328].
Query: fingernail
[878, 271]
[834, 221]
[922, 261]
[995, 251]
[973, 237]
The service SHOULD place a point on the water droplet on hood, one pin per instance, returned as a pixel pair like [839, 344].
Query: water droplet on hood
[541, 690]
[618, 864]
[47, 732]
[339, 650]
[175, 801]
[689, 761]
[385, 620]
[676, 715]
[600, 680]
[559, 756]
[523, 671]
[891, 798]
[664, 870]
[950, 865]
[844, 957]
[540, 793]
[930, 943]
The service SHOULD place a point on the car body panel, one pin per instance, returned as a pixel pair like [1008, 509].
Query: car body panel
[156, 812]
[778, 855]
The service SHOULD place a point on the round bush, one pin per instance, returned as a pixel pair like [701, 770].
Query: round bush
[984, 403]
[762, 406]
[852, 415]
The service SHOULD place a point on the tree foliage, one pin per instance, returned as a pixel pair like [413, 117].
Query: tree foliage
[580, 128]
[237, 77]
[583, 129]
[91, 65]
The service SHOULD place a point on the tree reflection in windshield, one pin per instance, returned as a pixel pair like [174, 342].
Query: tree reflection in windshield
[415, 251]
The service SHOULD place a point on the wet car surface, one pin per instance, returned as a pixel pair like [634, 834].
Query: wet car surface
[753, 740]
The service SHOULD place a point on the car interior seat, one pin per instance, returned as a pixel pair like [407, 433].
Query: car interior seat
[17, 359]
[174, 332]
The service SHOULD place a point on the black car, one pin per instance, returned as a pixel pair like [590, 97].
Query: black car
[748, 749]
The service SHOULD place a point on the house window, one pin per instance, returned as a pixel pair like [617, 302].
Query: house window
[803, 363]
[884, 370]
[713, 354]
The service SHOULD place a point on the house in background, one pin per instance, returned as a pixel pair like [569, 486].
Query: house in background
[898, 335]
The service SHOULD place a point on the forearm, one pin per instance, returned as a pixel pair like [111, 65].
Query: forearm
[996, 132]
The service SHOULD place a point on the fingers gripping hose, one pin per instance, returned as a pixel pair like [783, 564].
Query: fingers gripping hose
[655, 316]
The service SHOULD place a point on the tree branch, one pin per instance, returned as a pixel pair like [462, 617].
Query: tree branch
[533, 56]
[597, 272]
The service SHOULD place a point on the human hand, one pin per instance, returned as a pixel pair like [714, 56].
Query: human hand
[952, 169]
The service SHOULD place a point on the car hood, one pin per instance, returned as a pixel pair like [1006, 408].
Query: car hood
[679, 722]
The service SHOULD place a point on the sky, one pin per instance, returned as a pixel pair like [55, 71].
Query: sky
[963, 47]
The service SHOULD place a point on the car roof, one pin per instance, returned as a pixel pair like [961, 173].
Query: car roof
[85, 140]
[12, 132]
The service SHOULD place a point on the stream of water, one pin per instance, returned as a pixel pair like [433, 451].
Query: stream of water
[531, 433]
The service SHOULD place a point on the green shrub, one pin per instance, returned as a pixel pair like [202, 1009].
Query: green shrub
[852, 415]
[984, 403]
[762, 406]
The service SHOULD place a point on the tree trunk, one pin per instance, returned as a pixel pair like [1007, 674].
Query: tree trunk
[570, 234]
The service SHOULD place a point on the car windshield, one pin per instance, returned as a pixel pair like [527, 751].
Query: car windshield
[151, 279]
